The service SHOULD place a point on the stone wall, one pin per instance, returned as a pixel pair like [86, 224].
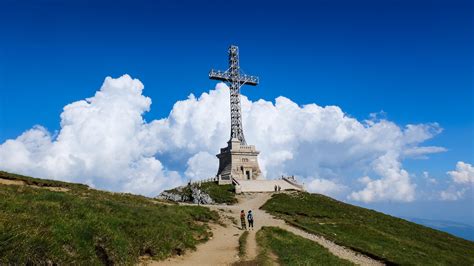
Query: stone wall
[239, 161]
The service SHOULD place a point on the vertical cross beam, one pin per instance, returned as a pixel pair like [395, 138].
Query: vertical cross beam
[235, 112]
[235, 80]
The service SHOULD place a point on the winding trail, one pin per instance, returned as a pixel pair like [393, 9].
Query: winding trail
[222, 249]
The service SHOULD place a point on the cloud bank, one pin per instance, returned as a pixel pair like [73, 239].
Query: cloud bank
[104, 142]
[101, 143]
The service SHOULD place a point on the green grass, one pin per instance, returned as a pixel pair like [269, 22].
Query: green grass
[85, 226]
[380, 236]
[243, 244]
[220, 193]
[295, 250]
[265, 254]
[41, 182]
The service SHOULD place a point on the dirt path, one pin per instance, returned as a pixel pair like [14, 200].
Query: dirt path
[9, 182]
[222, 249]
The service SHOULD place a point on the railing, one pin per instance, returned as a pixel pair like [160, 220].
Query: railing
[292, 180]
[235, 181]
[207, 180]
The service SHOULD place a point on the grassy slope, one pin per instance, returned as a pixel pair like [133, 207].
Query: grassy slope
[85, 226]
[243, 244]
[378, 235]
[222, 194]
[294, 250]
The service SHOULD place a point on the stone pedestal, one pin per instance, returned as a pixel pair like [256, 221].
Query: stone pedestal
[238, 161]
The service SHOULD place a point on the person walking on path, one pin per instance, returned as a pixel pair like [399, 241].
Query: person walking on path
[250, 219]
[242, 220]
[276, 188]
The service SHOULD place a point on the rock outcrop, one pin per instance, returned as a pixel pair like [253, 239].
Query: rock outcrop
[200, 197]
[188, 193]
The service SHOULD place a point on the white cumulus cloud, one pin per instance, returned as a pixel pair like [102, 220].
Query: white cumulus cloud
[462, 181]
[101, 143]
[428, 178]
[395, 183]
[105, 142]
[324, 186]
[452, 194]
[464, 173]
[201, 165]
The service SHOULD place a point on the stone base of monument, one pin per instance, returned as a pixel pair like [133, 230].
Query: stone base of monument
[238, 165]
[238, 161]
[243, 186]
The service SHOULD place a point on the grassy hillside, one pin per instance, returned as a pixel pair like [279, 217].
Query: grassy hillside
[293, 250]
[221, 194]
[86, 226]
[378, 235]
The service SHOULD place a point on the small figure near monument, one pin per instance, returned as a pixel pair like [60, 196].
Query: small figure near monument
[250, 219]
[242, 220]
[276, 188]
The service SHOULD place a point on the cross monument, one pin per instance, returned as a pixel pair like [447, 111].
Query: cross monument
[238, 161]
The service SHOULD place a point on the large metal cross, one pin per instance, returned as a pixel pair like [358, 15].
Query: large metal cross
[235, 80]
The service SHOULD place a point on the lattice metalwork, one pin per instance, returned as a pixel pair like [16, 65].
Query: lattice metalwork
[235, 79]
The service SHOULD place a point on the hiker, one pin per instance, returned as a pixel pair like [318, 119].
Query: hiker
[250, 219]
[276, 188]
[242, 220]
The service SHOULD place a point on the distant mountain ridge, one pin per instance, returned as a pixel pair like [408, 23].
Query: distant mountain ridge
[458, 229]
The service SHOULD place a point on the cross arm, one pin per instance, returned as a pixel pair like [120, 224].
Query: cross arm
[226, 76]
[219, 75]
[248, 80]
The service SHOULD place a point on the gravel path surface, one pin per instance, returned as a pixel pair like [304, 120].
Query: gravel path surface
[222, 248]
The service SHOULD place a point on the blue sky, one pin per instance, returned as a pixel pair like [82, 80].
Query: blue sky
[410, 59]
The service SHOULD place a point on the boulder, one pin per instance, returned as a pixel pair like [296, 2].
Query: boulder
[176, 195]
[200, 197]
